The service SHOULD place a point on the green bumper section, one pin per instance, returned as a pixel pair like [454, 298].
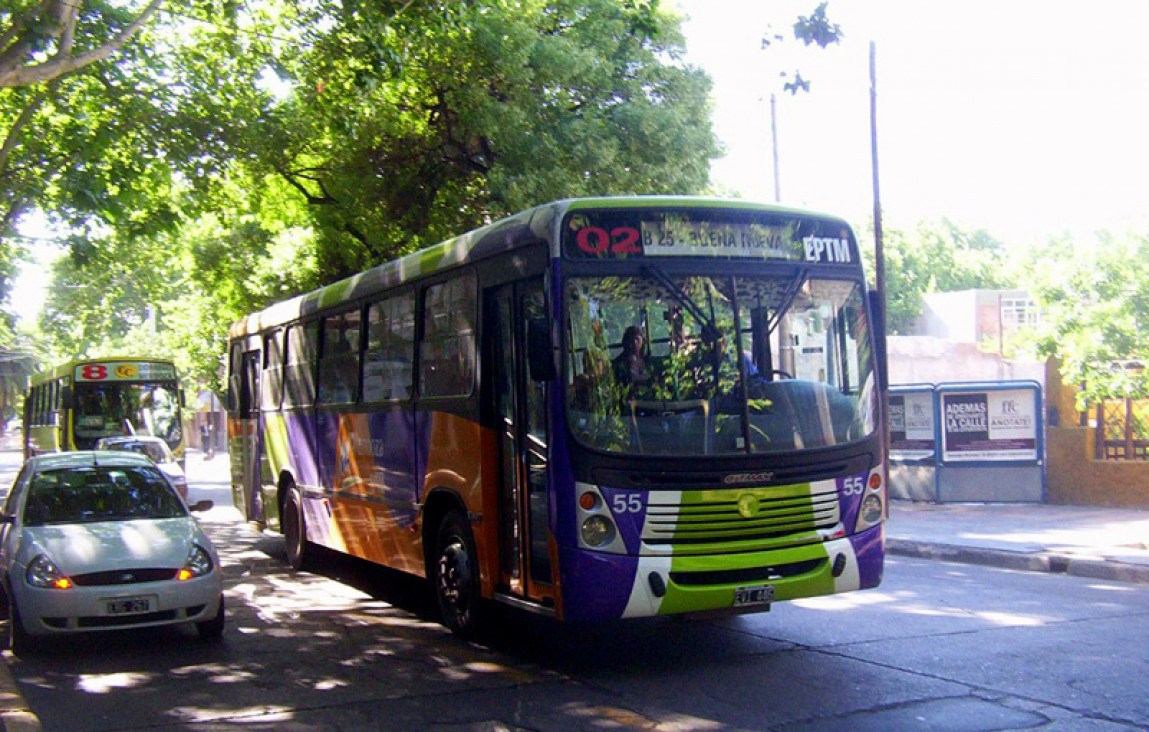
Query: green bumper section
[703, 583]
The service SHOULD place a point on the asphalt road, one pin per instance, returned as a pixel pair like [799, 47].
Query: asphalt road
[939, 646]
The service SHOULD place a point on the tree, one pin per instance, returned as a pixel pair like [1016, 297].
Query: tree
[1094, 303]
[46, 39]
[286, 145]
[938, 257]
[815, 29]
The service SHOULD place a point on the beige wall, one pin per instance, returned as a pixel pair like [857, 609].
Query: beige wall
[1072, 475]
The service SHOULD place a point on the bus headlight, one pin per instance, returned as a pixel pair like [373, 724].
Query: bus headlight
[872, 509]
[597, 531]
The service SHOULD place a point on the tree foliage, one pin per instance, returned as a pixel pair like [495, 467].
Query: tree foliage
[236, 154]
[1095, 303]
[938, 257]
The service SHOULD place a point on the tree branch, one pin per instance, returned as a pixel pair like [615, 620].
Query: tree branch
[12, 74]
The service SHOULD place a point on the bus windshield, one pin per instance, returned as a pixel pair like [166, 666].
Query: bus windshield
[126, 408]
[710, 365]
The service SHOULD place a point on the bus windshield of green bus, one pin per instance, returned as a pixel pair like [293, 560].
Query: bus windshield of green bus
[718, 365]
[126, 408]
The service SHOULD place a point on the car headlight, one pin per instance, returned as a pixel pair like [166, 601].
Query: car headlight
[43, 572]
[199, 563]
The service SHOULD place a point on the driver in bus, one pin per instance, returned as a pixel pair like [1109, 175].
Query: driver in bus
[630, 365]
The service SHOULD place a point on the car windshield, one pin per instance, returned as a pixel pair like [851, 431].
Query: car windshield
[88, 494]
[708, 365]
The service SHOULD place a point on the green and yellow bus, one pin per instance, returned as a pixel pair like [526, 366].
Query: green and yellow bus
[74, 405]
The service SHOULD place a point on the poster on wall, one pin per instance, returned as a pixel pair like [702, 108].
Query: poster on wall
[989, 425]
[912, 426]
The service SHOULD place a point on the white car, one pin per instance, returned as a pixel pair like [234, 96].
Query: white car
[155, 449]
[100, 540]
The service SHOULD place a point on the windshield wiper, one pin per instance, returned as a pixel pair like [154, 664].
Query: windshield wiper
[710, 331]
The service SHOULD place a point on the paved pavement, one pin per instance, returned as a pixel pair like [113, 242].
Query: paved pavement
[1102, 543]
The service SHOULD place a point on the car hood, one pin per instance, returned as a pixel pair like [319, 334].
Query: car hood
[110, 545]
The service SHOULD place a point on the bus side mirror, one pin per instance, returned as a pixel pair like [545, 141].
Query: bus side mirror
[878, 313]
[66, 397]
[540, 354]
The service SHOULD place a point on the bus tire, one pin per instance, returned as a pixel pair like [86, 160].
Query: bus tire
[299, 550]
[456, 576]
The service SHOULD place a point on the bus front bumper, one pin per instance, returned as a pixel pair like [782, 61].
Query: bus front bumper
[599, 586]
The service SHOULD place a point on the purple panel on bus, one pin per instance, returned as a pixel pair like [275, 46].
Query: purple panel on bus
[301, 437]
[869, 548]
[596, 586]
[396, 463]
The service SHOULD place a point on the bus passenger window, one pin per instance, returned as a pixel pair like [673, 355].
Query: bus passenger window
[299, 374]
[271, 384]
[447, 351]
[389, 362]
[339, 365]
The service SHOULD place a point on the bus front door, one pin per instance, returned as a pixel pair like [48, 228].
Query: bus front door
[518, 408]
[253, 444]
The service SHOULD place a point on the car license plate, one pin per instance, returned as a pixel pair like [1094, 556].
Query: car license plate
[129, 605]
[753, 595]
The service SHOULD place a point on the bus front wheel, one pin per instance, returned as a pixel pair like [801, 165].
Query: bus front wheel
[299, 550]
[457, 576]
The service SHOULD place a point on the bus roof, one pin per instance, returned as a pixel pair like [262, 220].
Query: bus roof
[534, 224]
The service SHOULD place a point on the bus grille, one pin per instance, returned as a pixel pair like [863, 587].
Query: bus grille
[721, 516]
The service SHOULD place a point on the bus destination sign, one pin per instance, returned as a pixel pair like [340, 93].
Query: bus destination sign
[614, 235]
[125, 371]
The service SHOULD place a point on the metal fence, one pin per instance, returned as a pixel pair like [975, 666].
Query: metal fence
[1123, 429]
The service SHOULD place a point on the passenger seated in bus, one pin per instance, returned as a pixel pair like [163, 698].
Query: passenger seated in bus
[630, 366]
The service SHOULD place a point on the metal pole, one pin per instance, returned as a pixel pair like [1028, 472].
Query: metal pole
[879, 253]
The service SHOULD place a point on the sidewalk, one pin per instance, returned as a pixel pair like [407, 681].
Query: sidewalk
[1086, 541]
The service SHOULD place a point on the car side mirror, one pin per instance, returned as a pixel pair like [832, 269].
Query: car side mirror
[66, 397]
[201, 506]
[7, 518]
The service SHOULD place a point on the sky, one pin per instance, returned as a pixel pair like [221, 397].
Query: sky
[1025, 118]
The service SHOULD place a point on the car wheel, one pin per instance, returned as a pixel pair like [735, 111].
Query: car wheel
[457, 576]
[299, 549]
[18, 639]
[212, 630]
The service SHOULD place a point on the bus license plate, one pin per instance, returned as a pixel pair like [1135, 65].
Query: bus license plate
[755, 595]
[129, 605]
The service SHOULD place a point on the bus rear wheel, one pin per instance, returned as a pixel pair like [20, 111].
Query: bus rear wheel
[456, 576]
[299, 550]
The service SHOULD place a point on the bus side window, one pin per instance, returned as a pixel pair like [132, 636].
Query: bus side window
[339, 364]
[390, 348]
[235, 373]
[299, 374]
[447, 350]
[271, 385]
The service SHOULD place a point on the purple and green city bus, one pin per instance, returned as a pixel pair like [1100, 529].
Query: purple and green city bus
[596, 409]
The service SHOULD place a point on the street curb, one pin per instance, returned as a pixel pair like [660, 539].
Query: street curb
[15, 716]
[1023, 560]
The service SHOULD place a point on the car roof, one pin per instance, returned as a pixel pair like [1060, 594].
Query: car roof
[129, 438]
[87, 459]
